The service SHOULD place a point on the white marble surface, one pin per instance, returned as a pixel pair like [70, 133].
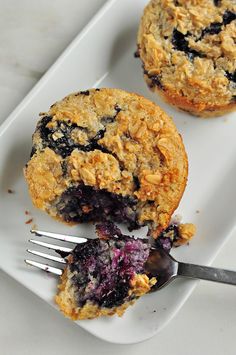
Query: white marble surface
[32, 35]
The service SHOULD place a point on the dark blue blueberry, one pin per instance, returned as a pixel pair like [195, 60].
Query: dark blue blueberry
[155, 79]
[117, 108]
[136, 183]
[33, 151]
[65, 145]
[44, 131]
[179, 41]
[217, 2]
[110, 119]
[231, 76]
[216, 27]
[228, 17]
[213, 29]
[136, 54]
[181, 44]
[116, 296]
[84, 92]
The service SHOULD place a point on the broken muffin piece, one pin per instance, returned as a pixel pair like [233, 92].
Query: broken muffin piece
[104, 276]
[175, 235]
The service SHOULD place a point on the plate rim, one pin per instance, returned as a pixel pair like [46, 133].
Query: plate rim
[24, 102]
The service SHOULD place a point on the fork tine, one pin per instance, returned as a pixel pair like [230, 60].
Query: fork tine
[65, 238]
[51, 246]
[45, 267]
[47, 256]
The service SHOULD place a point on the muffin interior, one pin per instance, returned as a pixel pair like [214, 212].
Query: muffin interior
[85, 204]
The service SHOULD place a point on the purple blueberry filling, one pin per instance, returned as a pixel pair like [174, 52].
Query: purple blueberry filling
[103, 268]
[168, 237]
[85, 204]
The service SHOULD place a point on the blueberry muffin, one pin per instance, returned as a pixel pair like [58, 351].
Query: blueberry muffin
[107, 155]
[188, 52]
[104, 276]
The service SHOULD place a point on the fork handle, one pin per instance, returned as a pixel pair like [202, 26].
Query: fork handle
[207, 273]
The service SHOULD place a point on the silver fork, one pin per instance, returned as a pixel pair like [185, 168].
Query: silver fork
[159, 263]
[62, 237]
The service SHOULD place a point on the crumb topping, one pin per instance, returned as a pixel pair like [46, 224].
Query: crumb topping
[113, 140]
[188, 49]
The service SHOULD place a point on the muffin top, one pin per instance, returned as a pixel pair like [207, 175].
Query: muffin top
[188, 48]
[112, 141]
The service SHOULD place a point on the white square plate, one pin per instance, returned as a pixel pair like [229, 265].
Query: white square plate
[102, 55]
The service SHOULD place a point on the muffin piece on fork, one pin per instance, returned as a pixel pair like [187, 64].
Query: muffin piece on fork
[104, 276]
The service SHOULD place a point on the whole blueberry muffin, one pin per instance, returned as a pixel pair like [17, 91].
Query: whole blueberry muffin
[107, 155]
[189, 54]
[104, 276]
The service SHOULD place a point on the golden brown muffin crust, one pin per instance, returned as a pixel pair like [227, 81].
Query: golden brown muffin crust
[140, 143]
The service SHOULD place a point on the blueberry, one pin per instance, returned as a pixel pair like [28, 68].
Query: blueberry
[117, 108]
[156, 81]
[168, 237]
[85, 203]
[181, 44]
[216, 27]
[228, 17]
[136, 54]
[213, 29]
[44, 131]
[136, 183]
[86, 93]
[231, 76]
[116, 296]
[179, 41]
[65, 144]
[33, 151]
